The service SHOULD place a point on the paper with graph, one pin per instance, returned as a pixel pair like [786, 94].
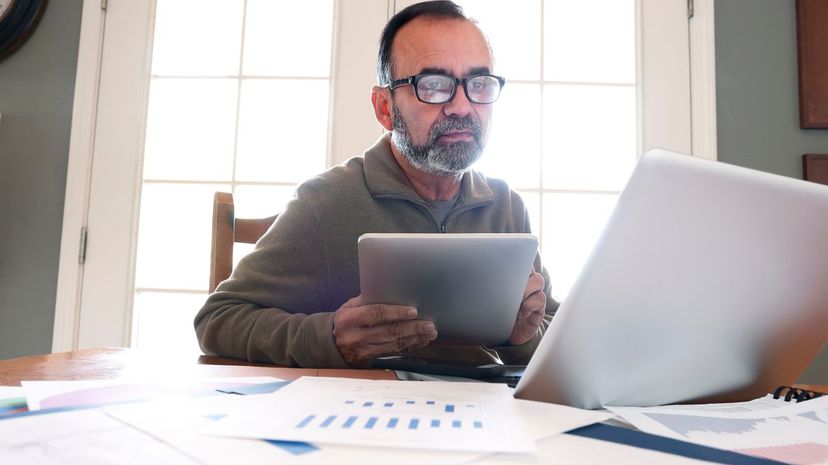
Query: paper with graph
[476, 417]
[791, 432]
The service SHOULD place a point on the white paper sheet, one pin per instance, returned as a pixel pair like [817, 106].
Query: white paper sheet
[10, 391]
[407, 414]
[81, 437]
[790, 432]
[565, 449]
[51, 394]
[176, 423]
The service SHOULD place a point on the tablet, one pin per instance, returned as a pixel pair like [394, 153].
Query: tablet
[469, 285]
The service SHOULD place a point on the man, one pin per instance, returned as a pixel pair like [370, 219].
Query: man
[296, 300]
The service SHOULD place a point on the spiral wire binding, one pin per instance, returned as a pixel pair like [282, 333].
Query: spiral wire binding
[799, 395]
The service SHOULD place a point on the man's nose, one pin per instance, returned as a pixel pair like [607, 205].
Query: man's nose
[459, 104]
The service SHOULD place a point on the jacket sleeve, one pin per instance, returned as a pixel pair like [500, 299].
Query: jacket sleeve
[275, 307]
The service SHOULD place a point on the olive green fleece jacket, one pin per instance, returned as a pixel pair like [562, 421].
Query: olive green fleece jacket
[278, 304]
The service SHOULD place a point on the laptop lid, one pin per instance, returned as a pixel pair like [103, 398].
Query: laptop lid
[710, 281]
[469, 285]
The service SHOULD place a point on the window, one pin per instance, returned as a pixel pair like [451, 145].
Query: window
[234, 105]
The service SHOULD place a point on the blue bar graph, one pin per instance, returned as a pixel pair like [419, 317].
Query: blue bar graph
[305, 422]
[368, 414]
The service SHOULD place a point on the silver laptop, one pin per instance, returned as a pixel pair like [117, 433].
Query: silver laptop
[709, 282]
[470, 285]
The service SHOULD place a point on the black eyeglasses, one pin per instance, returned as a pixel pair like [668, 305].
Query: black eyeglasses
[440, 88]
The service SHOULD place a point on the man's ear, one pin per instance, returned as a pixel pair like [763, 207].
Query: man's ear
[381, 99]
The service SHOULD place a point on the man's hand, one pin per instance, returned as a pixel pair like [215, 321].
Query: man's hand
[532, 310]
[365, 331]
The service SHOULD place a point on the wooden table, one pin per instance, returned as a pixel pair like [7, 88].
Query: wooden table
[120, 363]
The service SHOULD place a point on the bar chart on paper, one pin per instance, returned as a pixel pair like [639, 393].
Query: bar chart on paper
[396, 414]
[473, 417]
[791, 433]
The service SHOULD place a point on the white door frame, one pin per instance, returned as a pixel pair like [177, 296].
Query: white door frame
[78, 173]
[115, 328]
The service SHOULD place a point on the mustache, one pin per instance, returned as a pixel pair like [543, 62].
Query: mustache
[455, 123]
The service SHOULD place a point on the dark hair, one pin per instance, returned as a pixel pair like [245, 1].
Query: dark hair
[435, 9]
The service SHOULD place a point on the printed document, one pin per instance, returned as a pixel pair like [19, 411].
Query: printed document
[476, 417]
[788, 432]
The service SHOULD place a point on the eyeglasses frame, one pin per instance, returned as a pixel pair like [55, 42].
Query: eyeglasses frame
[457, 82]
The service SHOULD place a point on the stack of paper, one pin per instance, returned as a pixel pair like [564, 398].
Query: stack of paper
[312, 420]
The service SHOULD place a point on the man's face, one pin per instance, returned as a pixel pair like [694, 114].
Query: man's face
[442, 139]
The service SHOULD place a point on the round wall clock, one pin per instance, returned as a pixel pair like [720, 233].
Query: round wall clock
[18, 18]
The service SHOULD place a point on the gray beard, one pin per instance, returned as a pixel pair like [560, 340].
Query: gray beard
[440, 159]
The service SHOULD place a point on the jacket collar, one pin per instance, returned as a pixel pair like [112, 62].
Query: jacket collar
[385, 178]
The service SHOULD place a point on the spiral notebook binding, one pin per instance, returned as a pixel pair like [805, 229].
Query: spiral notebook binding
[798, 395]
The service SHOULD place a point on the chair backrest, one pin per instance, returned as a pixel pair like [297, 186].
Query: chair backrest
[815, 168]
[227, 230]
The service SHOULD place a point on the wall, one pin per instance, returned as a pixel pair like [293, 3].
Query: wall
[36, 93]
[757, 89]
[758, 100]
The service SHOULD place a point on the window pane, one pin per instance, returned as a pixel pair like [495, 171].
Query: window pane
[532, 202]
[514, 32]
[261, 201]
[513, 150]
[191, 126]
[174, 236]
[164, 323]
[571, 225]
[283, 130]
[288, 38]
[589, 136]
[241, 249]
[197, 37]
[589, 40]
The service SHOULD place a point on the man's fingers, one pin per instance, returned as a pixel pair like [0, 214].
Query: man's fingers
[388, 333]
[393, 348]
[370, 315]
[534, 284]
[378, 314]
[533, 303]
[398, 331]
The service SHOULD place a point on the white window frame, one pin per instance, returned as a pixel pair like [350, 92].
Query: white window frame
[107, 321]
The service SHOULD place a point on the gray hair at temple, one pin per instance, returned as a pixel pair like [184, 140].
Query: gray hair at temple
[434, 9]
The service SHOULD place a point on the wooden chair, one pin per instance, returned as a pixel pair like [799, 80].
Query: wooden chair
[227, 230]
[815, 168]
